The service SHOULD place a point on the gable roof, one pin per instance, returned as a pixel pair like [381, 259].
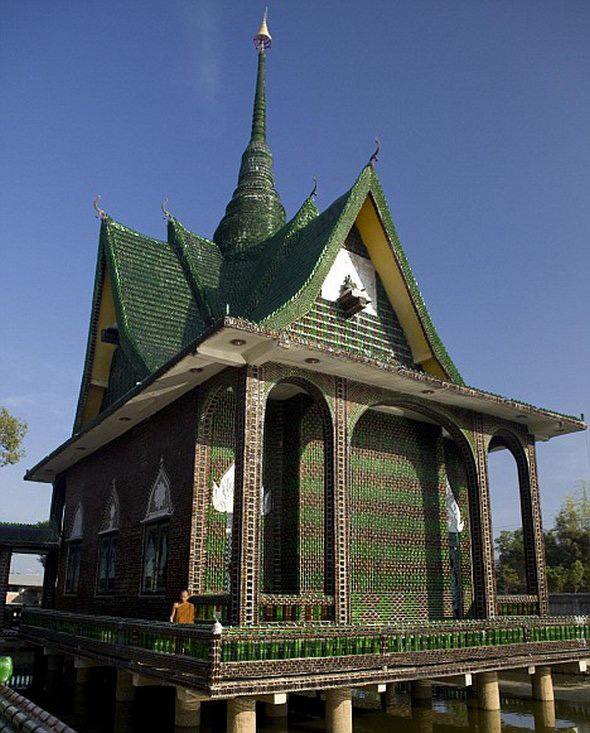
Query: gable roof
[164, 294]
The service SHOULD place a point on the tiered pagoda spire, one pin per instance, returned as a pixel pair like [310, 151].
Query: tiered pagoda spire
[255, 211]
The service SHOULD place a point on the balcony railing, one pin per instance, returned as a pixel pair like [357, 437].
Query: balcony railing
[517, 605]
[311, 607]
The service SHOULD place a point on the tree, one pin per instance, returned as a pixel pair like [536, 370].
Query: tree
[567, 550]
[12, 433]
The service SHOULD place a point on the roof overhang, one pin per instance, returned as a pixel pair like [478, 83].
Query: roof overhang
[235, 343]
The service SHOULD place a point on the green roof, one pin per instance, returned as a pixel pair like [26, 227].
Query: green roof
[167, 293]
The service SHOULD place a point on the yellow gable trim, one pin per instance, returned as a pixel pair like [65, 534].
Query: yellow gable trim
[102, 353]
[386, 264]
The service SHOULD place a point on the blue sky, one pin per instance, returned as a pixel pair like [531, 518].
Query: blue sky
[483, 111]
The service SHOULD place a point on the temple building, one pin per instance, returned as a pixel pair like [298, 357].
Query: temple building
[269, 419]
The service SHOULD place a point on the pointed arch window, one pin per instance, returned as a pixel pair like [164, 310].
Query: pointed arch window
[74, 543]
[107, 546]
[155, 544]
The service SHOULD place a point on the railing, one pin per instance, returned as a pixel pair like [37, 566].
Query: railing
[188, 640]
[518, 605]
[421, 643]
[310, 607]
[209, 608]
[241, 644]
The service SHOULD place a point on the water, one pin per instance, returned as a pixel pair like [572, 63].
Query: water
[91, 708]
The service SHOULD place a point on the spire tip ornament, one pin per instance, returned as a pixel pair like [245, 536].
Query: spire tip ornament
[263, 39]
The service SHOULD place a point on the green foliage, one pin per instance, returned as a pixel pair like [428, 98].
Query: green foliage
[12, 433]
[567, 550]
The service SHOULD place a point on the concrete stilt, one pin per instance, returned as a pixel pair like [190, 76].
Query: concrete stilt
[488, 692]
[187, 710]
[544, 713]
[241, 715]
[542, 684]
[339, 710]
[390, 698]
[421, 692]
[125, 691]
[276, 711]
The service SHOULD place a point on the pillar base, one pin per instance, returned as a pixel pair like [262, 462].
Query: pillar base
[241, 715]
[339, 710]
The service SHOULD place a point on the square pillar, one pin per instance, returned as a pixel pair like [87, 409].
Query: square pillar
[488, 691]
[421, 692]
[241, 715]
[245, 565]
[340, 510]
[339, 710]
[537, 574]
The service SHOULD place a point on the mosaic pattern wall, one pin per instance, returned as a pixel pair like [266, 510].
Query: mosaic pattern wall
[294, 527]
[222, 458]
[379, 337]
[399, 543]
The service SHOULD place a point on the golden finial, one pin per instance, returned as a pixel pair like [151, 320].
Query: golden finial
[263, 39]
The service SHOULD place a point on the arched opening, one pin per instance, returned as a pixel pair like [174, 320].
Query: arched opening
[508, 488]
[413, 512]
[297, 504]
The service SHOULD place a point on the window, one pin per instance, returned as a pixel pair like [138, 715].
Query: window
[155, 557]
[107, 563]
[73, 566]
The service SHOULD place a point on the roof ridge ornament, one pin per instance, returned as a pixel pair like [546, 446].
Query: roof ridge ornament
[373, 159]
[167, 215]
[100, 213]
[314, 190]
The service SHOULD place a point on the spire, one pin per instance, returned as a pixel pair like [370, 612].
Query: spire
[255, 211]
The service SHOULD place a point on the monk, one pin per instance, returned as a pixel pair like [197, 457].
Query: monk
[183, 612]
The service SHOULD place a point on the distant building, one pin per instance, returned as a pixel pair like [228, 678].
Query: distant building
[25, 589]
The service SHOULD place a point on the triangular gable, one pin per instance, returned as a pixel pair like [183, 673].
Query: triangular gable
[364, 206]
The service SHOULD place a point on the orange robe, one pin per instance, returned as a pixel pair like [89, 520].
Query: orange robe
[184, 613]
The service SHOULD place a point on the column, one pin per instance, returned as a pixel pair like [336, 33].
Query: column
[125, 691]
[542, 684]
[245, 570]
[421, 692]
[187, 709]
[52, 558]
[241, 715]
[488, 692]
[544, 713]
[340, 512]
[482, 544]
[339, 710]
[534, 507]
[5, 559]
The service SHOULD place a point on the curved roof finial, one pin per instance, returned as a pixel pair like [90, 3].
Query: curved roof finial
[373, 159]
[314, 190]
[263, 39]
[100, 213]
[167, 214]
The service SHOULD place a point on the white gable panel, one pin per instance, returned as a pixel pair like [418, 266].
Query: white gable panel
[362, 272]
